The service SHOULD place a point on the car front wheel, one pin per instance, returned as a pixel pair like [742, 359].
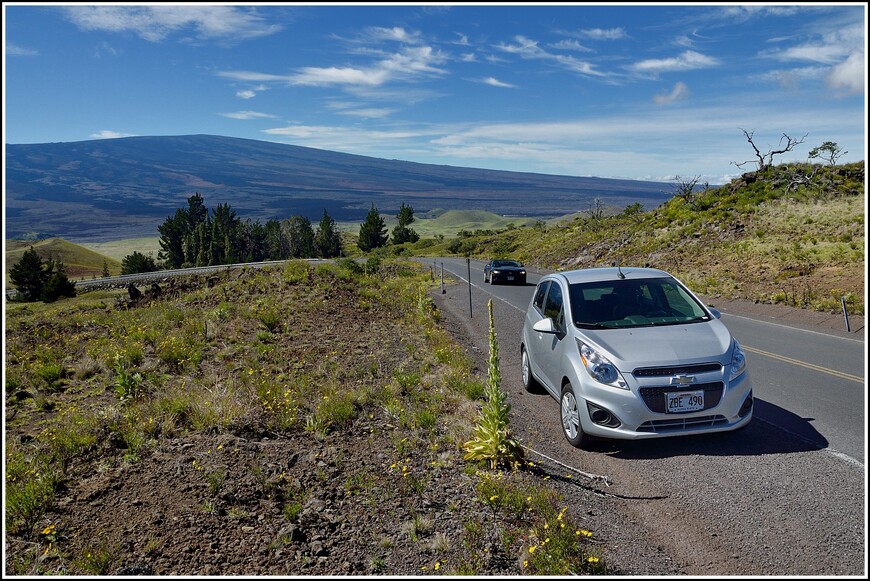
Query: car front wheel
[570, 413]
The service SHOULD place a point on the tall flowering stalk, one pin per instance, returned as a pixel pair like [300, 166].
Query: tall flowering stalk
[492, 438]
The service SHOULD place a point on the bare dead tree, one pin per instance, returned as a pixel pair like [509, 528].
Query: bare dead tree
[765, 160]
[686, 188]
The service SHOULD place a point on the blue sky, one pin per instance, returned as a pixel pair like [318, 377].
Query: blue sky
[649, 92]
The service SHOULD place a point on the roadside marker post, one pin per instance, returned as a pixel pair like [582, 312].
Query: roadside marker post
[468, 264]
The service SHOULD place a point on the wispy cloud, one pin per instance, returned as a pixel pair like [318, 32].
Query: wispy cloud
[156, 23]
[368, 113]
[247, 94]
[106, 134]
[603, 34]
[570, 45]
[837, 54]
[679, 93]
[687, 61]
[15, 50]
[527, 48]
[492, 81]
[406, 64]
[247, 115]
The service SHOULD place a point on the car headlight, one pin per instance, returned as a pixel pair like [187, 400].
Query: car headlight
[738, 361]
[599, 368]
[496, 271]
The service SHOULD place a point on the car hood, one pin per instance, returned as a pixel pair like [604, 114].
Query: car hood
[508, 267]
[664, 345]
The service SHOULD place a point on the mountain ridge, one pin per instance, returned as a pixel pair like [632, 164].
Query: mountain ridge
[109, 189]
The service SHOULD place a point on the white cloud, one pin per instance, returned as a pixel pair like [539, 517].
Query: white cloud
[155, 23]
[492, 81]
[246, 94]
[604, 34]
[686, 61]
[679, 93]
[396, 33]
[528, 49]
[368, 113]
[406, 64]
[570, 45]
[247, 115]
[849, 74]
[253, 76]
[106, 134]
[15, 50]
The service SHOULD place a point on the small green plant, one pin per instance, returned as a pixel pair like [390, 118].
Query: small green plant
[216, 479]
[127, 385]
[52, 374]
[317, 425]
[270, 319]
[98, 561]
[492, 441]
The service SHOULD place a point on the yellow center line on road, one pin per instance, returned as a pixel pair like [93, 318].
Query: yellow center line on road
[833, 372]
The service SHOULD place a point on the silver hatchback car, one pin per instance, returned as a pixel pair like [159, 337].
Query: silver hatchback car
[632, 353]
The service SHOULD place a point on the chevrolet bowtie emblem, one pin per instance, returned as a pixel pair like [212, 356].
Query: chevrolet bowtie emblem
[682, 379]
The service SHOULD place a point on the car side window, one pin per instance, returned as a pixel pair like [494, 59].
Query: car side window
[553, 306]
[540, 294]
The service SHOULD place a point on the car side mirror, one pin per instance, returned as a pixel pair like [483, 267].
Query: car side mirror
[715, 312]
[545, 325]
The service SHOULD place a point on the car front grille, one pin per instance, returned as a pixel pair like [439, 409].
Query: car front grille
[654, 397]
[681, 424]
[676, 370]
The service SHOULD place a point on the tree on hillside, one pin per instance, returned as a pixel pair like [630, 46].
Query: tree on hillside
[253, 242]
[105, 273]
[300, 237]
[29, 275]
[137, 262]
[372, 232]
[327, 240]
[172, 234]
[277, 247]
[829, 151]
[58, 284]
[401, 233]
[224, 235]
[765, 160]
[37, 280]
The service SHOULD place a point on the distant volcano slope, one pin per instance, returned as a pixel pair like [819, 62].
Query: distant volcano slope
[112, 189]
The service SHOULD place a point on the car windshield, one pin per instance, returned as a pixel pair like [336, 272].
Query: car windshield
[633, 303]
[503, 263]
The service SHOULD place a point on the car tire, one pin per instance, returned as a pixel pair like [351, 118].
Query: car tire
[530, 384]
[569, 413]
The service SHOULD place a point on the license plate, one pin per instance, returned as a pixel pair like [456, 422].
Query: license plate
[684, 401]
[510, 278]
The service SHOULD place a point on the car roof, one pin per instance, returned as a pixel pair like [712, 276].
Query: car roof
[610, 273]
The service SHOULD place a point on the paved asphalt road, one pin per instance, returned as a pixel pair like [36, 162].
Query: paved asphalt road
[784, 496]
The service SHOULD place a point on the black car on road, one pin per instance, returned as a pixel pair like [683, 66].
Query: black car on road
[506, 271]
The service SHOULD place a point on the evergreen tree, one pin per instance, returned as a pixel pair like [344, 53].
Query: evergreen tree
[29, 275]
[401, 233]
[137, 262]
[58, 284]
[105, 272]
[372, 232]
[172, 234]
[300, 237]
[327, 240]
[276, 243]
